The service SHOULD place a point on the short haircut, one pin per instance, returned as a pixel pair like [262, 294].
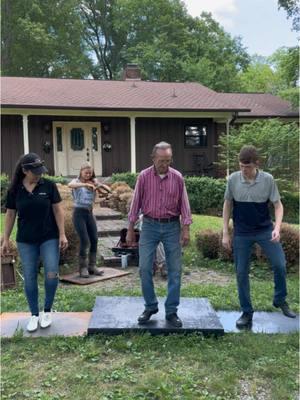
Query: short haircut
[160, 146]
[248, 155]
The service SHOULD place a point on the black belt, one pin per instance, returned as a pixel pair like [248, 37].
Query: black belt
[163, 220]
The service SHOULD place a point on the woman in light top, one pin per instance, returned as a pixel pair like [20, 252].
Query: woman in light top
[84, 191]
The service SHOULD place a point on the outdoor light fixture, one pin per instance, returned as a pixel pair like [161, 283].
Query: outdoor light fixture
[47, 128]
[106, 128]
[107, 146]
[47, 146]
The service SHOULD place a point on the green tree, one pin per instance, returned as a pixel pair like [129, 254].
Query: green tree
[277, 74]
[167, 43]
[42, 39]
[103, 37]
[285, 60]
[214, 58]
[292, 8]
[259, 76]
[79, 38]
[286, 63]
[278, 144]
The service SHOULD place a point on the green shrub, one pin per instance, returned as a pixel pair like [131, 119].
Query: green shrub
[278, 145]
[57, 179]
[289, 238]
[290, 203]
[290, 243]
[206, 194]
[210, 245]
[226, 254]
[208, 242]
[4, 182]
[127, 177]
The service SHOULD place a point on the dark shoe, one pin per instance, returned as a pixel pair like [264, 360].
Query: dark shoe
[92, 267]
[245, 320]
[146, 315]
[93, 270]
[174, 320]
[285, 309]
[84, 273]
[83, 267]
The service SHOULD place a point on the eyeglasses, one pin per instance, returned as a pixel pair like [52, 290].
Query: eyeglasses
[34, 164]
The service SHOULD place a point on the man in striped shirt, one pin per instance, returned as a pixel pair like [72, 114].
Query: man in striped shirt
[160, 195]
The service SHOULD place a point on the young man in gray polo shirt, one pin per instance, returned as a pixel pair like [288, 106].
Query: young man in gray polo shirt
[248, 192]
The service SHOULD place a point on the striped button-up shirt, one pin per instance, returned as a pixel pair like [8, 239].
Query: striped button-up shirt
[160, 197]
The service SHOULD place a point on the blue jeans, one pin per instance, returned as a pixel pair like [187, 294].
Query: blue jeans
[152, 233]
[30, 255]
[242, 248]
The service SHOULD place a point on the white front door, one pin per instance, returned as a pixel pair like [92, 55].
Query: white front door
[80, 143]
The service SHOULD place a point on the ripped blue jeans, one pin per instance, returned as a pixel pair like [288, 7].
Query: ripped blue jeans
[30, 255]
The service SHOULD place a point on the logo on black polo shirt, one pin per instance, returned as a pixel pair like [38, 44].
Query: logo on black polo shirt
[43, 194]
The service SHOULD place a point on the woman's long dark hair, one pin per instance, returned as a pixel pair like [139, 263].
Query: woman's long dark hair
[17, 177]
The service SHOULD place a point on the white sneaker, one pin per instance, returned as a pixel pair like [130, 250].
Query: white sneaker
[33, 323]
[45, 319]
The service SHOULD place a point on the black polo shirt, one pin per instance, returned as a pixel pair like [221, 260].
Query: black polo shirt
[36, 222]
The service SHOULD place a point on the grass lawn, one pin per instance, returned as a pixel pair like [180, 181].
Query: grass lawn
[141, 367]
[243, 366]
[14, 231]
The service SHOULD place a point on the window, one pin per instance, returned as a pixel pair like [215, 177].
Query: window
[95, 139]
[59, 145]
[195, 136]
[77, 139]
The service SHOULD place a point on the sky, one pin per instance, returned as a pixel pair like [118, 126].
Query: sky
[261, 25]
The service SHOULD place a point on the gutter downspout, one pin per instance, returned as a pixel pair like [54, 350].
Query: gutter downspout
[229, 122]
[227, 148]
[25, 133]
[132, 145]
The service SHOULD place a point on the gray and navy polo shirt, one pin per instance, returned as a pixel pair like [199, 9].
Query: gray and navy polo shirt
[250, 202]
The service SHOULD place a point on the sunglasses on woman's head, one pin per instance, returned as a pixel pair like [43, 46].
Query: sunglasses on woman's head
[34, 164]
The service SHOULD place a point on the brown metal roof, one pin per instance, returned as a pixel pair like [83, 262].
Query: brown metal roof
[113, 95]
[261, 105]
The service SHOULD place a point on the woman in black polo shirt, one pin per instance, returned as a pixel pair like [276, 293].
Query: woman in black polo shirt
[40, 234]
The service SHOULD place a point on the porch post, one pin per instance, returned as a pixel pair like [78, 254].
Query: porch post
[227, 147]
[25, 133]
[132, 145]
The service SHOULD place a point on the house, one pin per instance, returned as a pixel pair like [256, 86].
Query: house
[114, 124]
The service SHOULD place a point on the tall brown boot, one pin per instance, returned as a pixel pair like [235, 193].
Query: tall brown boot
[83, 267]
[92, 268]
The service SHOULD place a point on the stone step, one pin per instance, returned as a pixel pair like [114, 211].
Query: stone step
[105, 213]
[110, 227]
[197, 315]
[77, 323]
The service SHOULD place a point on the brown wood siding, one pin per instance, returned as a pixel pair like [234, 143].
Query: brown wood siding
[12, 146]
[150, 131]
[38, 135]
[118, 135]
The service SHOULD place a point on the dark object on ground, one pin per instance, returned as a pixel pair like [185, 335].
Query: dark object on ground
[245, 320]
[146, 315]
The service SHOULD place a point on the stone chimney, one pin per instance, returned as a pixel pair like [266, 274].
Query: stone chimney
[132, 73]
